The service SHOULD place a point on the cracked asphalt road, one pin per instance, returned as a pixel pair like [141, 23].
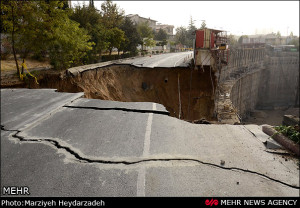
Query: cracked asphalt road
[59, 144]
[178, 59]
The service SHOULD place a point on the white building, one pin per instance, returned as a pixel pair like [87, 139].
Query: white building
[136, 19]
[167, 28]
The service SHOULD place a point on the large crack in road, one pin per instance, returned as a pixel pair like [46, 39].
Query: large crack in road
[82, 159]
[120, 109]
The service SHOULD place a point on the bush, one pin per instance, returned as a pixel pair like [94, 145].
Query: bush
[39, 56]
[290, 132]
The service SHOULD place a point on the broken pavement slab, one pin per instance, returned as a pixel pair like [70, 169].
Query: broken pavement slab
[21, 107]
[94, 134]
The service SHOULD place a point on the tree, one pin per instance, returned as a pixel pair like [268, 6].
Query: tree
[149, 42]
[115, 37]
[146, 34]
[11, 21]
[161, 35]
[172, 45]
[203, 25]
[162, 43]
[232, 41]
[89, 18]
[295, 42]
[45, 26]
[112, 16]
[278, 34]
[191, 33]
[132, 37]
[181, 36]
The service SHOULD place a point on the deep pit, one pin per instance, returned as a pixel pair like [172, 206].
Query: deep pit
[171, 87]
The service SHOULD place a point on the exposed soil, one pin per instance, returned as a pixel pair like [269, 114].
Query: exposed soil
[9, 66]
[132, 84]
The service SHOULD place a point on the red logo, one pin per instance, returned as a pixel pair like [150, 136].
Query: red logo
[211, 202]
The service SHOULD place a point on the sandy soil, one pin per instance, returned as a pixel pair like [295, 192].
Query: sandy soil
[9, 65]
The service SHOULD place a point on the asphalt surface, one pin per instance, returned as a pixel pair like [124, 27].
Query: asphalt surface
[179, 59]
[59, 144]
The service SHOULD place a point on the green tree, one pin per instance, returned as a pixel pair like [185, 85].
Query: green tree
[161, 35]
[172, 45]
[162, 43]
[12, 22]
[146, 34]
[115, 37]
[232, 41]
[45, 26]
[295, 42]
[278, 34]
[69, 45]
[112, 19]
[132, 37]
[191, 32]
[203, 25]
[112, 16]
[181, 36]
[89, 18]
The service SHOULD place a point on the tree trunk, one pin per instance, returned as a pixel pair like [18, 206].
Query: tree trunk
[22, 71]
[13, 40]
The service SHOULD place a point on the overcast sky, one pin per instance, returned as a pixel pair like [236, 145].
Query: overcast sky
[237, 17]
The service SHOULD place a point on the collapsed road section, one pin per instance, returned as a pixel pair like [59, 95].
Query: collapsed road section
[186, 93]
[88, 147]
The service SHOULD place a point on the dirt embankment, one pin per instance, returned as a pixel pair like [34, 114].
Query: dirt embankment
[133, 84]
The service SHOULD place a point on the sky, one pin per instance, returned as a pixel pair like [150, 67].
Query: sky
[236, 17]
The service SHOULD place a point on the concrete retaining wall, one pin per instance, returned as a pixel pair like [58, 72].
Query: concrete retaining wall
[255, 79]
[279, 82]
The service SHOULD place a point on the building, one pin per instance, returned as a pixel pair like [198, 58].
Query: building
[136, 19]
[269, 39]
[167, 28]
